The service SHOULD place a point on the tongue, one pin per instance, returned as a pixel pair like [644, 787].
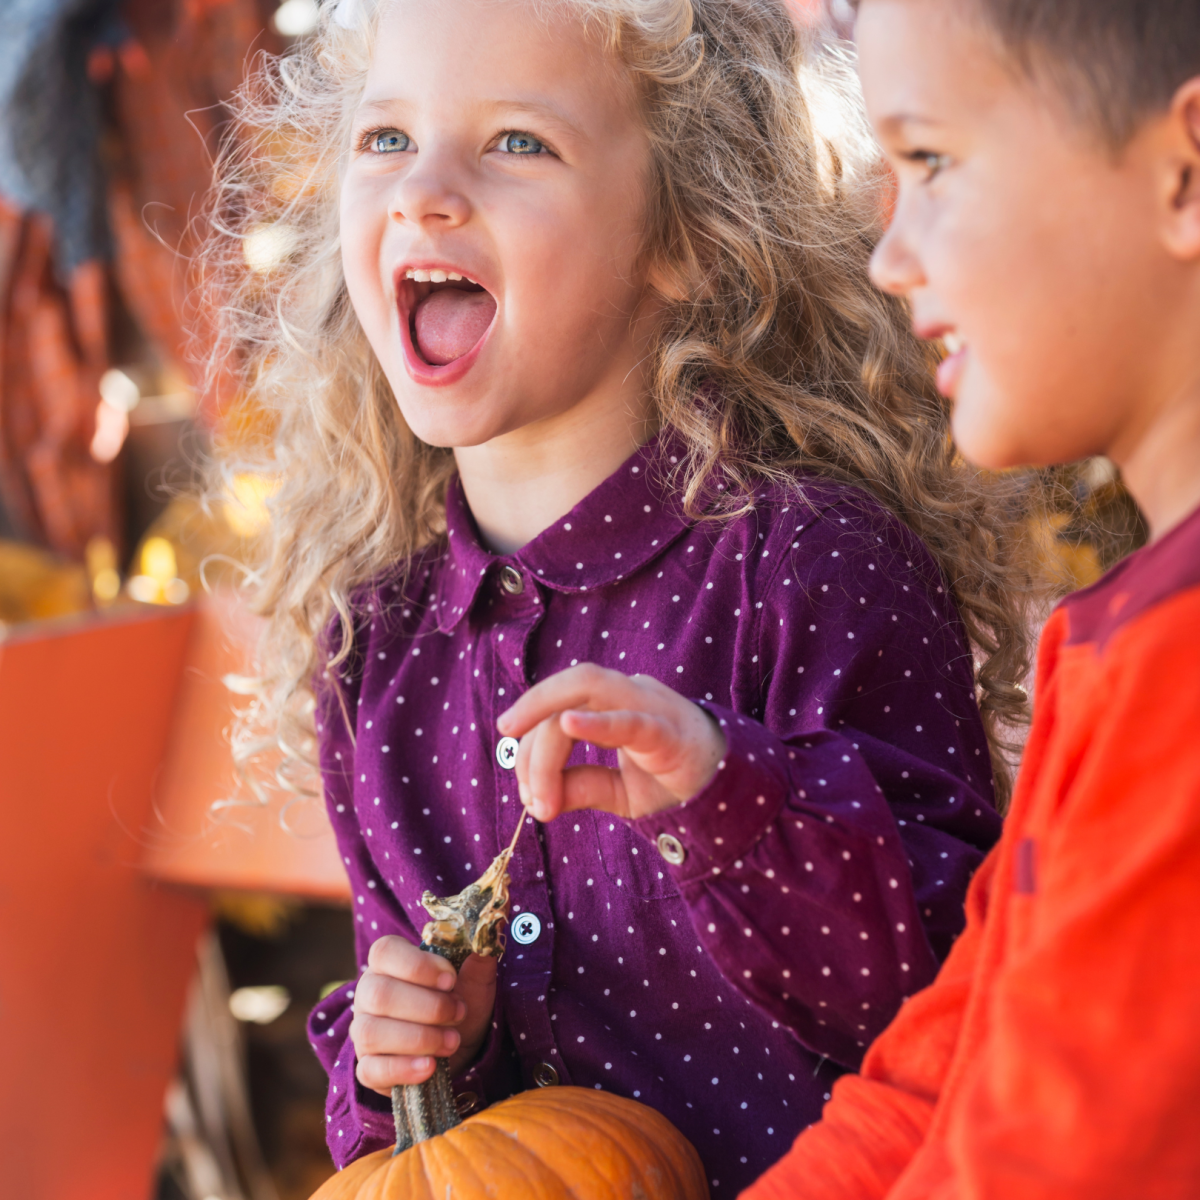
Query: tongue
[449, 324]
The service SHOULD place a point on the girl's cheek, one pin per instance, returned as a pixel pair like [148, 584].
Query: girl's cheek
[362, 269]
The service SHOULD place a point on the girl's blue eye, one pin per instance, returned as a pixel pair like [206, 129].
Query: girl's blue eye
[520, 143]
[388, 141]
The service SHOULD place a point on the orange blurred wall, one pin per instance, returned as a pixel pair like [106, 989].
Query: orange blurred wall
[94, 956]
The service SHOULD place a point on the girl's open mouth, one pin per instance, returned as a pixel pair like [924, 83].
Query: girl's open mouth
[445, 319]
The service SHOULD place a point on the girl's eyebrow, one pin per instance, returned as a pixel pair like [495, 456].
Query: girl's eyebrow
[378, 108]
[385, 109]
[535, 108]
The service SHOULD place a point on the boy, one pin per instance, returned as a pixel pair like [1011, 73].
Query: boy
[1048, 229]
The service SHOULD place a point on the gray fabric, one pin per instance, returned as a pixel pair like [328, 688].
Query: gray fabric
[51, 118]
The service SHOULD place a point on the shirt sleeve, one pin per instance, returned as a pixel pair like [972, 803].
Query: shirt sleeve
[357, 1119]
[877, 1121]
[826, 864]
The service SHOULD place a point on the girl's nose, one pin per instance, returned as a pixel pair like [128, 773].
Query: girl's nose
[895, 268]
[428, 197]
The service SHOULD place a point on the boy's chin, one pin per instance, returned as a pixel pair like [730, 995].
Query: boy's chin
[984, 432]
[998, 446]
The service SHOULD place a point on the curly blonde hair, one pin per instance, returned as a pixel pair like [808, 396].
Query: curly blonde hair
[774, 355]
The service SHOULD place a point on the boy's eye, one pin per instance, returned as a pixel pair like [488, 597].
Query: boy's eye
[519, 143]
[934, 164]
[389, 141]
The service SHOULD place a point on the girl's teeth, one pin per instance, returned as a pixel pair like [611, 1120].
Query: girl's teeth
[433, 276]
[952, 342]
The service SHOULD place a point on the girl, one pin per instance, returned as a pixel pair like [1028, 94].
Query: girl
[588, 422]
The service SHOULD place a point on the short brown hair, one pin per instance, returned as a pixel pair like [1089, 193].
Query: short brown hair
[1117, 62]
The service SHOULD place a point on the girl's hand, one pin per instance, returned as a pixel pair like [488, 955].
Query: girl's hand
[668, 747]
[411, 1008]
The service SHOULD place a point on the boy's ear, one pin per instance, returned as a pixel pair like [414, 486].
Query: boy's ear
[671, 281]
[1182, 226]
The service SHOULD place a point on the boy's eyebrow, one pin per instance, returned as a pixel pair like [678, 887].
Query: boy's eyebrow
[901, 119]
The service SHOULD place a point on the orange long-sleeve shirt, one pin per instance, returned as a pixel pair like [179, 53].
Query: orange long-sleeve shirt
[1057, 1054]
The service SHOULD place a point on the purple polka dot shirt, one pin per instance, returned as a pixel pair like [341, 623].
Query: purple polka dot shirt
[722, 961]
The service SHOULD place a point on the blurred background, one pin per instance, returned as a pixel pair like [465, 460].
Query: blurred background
[162, 934]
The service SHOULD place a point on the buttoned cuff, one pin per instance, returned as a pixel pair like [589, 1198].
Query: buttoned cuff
[487, 1079]
[371, 1112]
[723, 821]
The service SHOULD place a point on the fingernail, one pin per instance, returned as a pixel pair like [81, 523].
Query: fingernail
[445, 982]
[422, 1064]
[523, 792]
[460, 1010]
[502, 720]
[451, 1039]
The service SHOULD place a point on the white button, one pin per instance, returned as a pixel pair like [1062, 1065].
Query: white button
[506, 753]
[526, 928]
[511, 581]
[671, 848]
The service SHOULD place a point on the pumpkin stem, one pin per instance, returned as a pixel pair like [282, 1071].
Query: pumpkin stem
[462, 925]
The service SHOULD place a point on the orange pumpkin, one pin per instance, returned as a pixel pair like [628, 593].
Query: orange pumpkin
[556, 1143]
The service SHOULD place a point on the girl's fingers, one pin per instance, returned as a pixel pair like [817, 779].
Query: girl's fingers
[540, 761]
[636, 732]
[399, 958]
[670, 747]
[373, 1036]
[381, 1073]
[595, 787]
[381, 996]
[584, 686]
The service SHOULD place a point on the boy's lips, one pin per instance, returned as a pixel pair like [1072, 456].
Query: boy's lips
[416, 281]
[950, 369]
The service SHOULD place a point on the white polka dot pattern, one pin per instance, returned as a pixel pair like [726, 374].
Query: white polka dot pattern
[821, 874]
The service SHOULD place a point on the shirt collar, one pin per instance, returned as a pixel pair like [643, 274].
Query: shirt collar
[630, 519]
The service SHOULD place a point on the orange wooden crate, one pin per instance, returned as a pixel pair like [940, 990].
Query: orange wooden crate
[94, 957]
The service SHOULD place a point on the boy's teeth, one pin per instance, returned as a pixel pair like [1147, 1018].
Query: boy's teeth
[437, 277]
[421, 276]
[952, 342]
[453, 275]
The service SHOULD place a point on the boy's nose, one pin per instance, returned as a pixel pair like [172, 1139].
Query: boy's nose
[894, 266]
